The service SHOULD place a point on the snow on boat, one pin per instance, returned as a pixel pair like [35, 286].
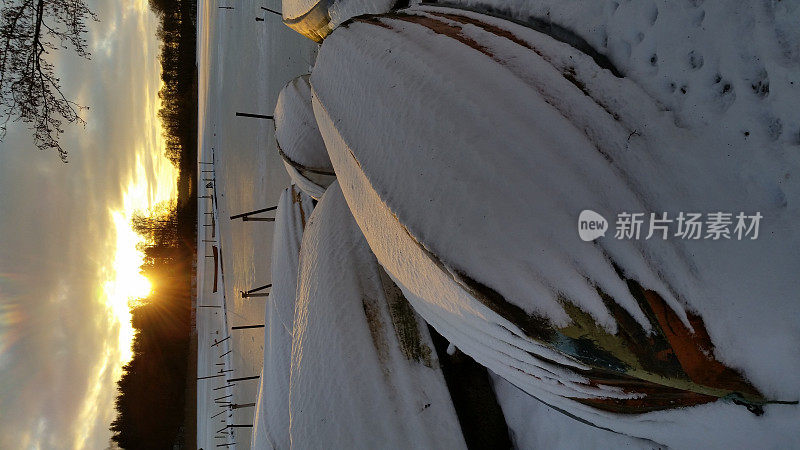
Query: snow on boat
[466, 146]
[271, 420]
[364, 372]
[315, 19]
[299, 142]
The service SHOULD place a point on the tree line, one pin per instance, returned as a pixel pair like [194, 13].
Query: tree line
[153, 393]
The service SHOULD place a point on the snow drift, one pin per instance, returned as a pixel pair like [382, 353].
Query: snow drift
[363, 373]
[299, 142]
[467, 178]
[271, 420]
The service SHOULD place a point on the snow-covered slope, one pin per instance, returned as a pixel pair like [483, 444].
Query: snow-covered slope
[271, 420]
[467, 178]
[299, 142]
[364, 373]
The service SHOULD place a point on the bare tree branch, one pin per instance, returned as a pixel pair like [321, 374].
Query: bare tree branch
[30, 32]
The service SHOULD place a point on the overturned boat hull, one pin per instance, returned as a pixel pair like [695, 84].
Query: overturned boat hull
[364, 373]
[468, 196]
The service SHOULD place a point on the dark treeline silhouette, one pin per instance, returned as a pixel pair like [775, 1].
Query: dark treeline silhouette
[155, 400]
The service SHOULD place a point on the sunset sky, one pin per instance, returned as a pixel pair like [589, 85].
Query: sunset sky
[68, 259]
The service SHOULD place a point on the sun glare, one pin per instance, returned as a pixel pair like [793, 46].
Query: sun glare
[128, 283]
[150, 180]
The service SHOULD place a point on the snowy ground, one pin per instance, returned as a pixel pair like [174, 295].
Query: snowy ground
[364, 373]
[242, 64]
[272, 413]
[466, 146]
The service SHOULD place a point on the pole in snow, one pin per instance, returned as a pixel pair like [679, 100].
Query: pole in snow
[272, 11]
[211, 376]
[254, 292]
[257, 116]
[243, 405]
[216, 342]
[258, 219]
[243, 378]
[250, 213]
[245, 327]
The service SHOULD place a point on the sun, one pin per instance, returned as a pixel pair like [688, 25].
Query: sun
[124, 280]
[137, 286]
[128, 281]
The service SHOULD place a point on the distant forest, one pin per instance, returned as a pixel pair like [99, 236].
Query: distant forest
[156, 396]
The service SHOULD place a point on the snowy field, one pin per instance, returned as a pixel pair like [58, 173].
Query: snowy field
[465, 146]
[242, 64]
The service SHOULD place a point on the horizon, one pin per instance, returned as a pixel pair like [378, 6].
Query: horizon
[88, 260]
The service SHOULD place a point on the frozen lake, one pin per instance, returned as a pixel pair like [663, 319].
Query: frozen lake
[243, 64]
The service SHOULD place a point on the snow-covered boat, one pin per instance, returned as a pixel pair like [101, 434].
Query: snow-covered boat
[364, 372]
[299, 142]
[271, 420]
[466, 146]
[315, 19]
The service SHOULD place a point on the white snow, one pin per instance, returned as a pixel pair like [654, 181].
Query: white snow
[304, 183]
[271, 422]
[753, 46]
[470, 159]
[482, 156]
[533, 425]
[293, 9]
[296, 129]
[342, 10]
[242, 66]
[363, 373]
[301, 146]
[338, 10]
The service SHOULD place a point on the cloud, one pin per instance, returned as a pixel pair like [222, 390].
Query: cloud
[58, 338]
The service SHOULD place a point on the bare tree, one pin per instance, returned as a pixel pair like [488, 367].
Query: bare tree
[31, 32]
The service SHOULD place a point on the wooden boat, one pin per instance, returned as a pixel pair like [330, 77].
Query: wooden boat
[594, 330]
